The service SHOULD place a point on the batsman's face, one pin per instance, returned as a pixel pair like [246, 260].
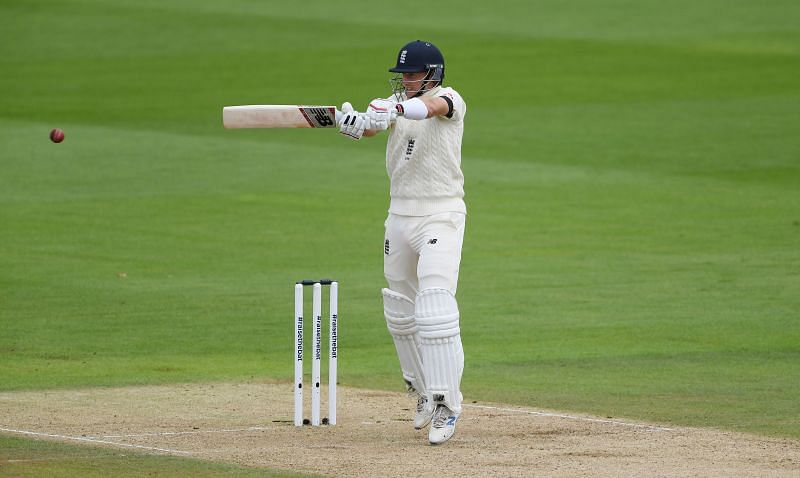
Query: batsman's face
[412, 82]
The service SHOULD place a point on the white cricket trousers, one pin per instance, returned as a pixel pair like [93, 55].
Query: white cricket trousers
[421, 252]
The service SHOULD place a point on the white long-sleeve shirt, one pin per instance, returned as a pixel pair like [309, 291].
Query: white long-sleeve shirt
[423, 160]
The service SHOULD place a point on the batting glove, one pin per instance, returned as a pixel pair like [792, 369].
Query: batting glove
[346, 108]
[352, 123]
[381, 114]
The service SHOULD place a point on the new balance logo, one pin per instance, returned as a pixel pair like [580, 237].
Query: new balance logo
[438, 397]
[432, 241]
[322, 118]
[386, 247]
[452, 420]
[403, 56]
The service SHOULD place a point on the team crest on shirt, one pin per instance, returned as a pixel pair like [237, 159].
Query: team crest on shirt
[409, 148]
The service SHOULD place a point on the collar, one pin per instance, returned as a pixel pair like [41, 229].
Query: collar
[434, 91]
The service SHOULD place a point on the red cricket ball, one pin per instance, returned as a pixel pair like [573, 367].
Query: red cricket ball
[57, 135]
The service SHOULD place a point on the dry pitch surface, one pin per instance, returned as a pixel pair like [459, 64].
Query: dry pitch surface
[249, 423]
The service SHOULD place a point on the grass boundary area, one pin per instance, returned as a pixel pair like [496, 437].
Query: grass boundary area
[35, 457]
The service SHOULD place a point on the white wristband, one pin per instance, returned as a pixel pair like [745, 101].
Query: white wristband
[413, 109]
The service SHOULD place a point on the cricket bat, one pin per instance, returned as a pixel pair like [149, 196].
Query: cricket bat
[279, 116]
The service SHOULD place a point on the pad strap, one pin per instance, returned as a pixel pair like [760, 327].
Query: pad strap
[437, 314]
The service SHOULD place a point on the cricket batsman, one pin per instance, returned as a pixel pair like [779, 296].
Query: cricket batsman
[424, 230]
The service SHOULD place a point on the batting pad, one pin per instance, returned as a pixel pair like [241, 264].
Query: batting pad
[399, 313]
[440, 345]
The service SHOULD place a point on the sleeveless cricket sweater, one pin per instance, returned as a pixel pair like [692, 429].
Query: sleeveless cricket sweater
[423, 160]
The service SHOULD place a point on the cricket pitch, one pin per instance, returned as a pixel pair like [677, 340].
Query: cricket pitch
[251, 424]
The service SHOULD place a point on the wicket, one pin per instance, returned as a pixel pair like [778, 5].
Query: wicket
[333, 353]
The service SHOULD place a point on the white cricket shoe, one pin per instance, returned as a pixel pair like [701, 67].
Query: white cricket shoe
[424, 412]
[443, 425]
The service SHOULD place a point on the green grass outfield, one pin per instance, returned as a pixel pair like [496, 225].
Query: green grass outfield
[35, 459]
[632, 176]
